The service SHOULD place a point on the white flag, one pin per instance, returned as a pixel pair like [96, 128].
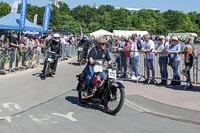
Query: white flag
[35, 19]
[14, 8]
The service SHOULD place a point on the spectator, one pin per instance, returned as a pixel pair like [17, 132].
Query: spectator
[122, 56]
[174, 60]
[148, 49]
[24, 48]
[162, 49]
[134, 55]
[4, 44]
[13, 48]
[189, 58]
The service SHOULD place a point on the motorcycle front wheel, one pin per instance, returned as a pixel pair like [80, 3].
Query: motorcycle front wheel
[46, 70]
[80, 59]
[114, 100]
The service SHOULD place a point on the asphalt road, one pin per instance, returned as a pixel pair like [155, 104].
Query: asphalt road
[31, 105]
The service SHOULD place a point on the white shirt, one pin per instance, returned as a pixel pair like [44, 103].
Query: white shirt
[147, 46]
[133, 47]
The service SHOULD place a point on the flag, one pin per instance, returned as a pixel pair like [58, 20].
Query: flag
[46, 17]
[23, 14]
[14, 8]
[35, 19]
[81, 32]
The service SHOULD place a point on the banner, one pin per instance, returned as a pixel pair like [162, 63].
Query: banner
[23, 14]
[46, 17]
[14, 8]
[35, 19]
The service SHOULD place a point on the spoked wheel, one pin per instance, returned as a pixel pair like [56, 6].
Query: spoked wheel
[114, 100]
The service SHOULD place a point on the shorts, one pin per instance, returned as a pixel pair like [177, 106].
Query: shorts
[186, 69]
[150, 64]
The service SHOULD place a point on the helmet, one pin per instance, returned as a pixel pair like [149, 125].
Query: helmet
[56, 37]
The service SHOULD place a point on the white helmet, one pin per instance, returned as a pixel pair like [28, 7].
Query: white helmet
[56, 37]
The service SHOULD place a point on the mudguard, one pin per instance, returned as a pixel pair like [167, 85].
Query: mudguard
[118, 84]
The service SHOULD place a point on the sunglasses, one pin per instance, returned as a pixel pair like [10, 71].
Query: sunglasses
[102, 44]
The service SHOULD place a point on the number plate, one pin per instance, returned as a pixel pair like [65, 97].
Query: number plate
[80, 49]
[50, 60]
[112, 74]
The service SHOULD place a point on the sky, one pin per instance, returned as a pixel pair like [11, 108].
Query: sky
[162, 5]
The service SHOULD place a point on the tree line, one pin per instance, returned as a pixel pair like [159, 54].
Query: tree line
[107, 17]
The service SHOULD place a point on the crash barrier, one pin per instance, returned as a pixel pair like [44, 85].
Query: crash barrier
[11, 58]
[194, 71]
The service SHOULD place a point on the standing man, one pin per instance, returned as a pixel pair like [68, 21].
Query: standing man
[13, 48]
[24, 49]
[162, 49]
[148, 49]
[4, 44]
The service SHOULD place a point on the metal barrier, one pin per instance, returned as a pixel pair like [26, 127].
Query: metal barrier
[194, 71]
[10, 58]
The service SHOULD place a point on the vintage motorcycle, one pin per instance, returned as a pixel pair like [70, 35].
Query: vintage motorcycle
[48, 71]
[81, 56]
[107, 92]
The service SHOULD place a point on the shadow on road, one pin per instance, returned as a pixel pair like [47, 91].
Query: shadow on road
[40, 75]
[181, 88]
[74, 63]
[87, 105]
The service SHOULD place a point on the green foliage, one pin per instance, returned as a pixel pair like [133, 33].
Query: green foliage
[107, 17]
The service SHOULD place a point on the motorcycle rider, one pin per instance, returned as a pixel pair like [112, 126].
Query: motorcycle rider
[54, 45]
[96, 53]
[84, 43]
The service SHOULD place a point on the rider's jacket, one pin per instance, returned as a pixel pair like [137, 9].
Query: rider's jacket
[96, 54]
[84, 43]
[55, 47]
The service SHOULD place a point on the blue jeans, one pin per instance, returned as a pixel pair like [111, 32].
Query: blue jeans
[135, 64]
[89, 72]
[176, 75]
[163, 61]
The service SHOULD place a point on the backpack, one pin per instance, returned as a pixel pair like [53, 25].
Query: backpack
[139, 45]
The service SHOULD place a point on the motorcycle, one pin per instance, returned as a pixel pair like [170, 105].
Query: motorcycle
[81, 56]
[107, 92]
[48, 70]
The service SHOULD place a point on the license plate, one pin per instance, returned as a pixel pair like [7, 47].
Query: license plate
[80, 49]
[112, 74]
[50, 60]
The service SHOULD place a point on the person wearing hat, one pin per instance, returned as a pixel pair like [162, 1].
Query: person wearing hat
[174, 60]
[96, 53]
[189, 58]
[161, 50]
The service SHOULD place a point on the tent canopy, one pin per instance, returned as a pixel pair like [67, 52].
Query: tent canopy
[9, 22]
[101, 32]
[128, 33]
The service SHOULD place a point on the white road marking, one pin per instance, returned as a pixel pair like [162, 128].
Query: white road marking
[35, 119]
[9, 119]
[68, 116]
[12, 106]
[135, 106]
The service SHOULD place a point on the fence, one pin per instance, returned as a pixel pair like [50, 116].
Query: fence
[10, 64]
[194, 72]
